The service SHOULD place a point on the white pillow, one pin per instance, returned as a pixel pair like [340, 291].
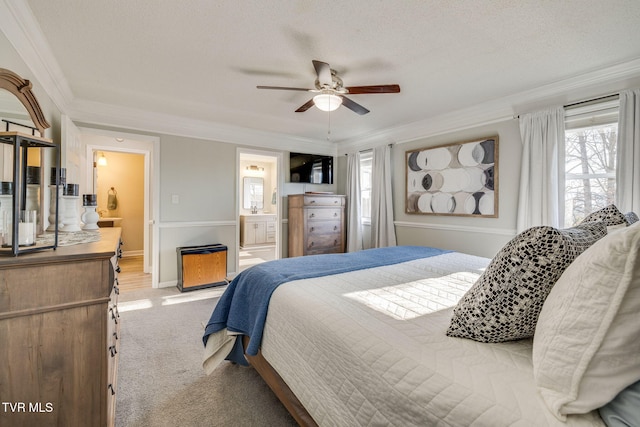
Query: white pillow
[586, 346]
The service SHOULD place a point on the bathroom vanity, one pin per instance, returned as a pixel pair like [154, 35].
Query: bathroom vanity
[257, 229]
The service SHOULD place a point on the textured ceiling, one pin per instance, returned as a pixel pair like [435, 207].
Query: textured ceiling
[203, 59]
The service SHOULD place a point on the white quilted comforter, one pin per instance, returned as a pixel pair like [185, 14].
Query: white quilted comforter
[369, 348]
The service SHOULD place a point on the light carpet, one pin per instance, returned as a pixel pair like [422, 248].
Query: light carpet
[160, 377]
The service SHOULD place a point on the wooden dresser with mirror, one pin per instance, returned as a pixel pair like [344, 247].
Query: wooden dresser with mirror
[59, 335]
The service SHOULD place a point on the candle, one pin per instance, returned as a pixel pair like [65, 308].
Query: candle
[26, 233]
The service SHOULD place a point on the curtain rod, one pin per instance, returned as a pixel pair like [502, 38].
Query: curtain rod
[391, 144]
[586, 101]
[601, 98]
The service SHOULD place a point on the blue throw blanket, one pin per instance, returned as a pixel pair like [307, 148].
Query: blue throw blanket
[243, 306]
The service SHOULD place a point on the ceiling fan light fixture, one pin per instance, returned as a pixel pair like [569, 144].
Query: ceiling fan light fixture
[327, 101]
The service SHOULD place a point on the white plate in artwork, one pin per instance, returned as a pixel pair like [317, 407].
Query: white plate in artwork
[434, 159]
[443, 203]
[471, 154]
[454, 180]
[414, 181]
[486, 204]
[424, 203]
[469, 205]
[476, 180]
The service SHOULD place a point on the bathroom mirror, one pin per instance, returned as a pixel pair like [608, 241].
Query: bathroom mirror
[253, 193]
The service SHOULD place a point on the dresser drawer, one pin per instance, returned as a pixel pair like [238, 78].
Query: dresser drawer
[323, 201]
[318, 228]
[323, 213]
[324, 241]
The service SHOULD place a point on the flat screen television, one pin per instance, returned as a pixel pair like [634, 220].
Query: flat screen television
[311, 168]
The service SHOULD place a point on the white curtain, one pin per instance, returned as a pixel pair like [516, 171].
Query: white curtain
[354, 221]
[628, 157]
[540, 201]
[383, 231]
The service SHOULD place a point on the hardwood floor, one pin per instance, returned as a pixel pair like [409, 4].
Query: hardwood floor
[131, 276]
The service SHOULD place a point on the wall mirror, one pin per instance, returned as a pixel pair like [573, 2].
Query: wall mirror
[26, 159]
[253, 193]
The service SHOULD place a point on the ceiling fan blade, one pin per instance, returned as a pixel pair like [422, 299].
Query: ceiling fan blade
[324, 73]
[354, 90]
[306, 106]
[353, 106]
[285, 88]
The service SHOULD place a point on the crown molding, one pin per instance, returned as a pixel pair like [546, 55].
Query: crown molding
[23, 31]
[561, 92]
[91, 112]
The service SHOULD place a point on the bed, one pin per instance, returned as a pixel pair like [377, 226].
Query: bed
[372, 340]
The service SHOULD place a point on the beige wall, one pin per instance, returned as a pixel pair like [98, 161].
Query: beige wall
[125, 173]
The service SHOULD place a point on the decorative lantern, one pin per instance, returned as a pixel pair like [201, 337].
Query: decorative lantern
[23, 187]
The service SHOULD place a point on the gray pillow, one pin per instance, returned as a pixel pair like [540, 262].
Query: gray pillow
[610, 215]
[505, 302]
[624, 409]
[631, 217]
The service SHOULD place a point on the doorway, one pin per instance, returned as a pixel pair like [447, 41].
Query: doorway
[128, 175]
[259, 208]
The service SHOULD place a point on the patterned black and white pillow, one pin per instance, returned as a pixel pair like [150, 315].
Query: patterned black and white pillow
[505, 302]
[631, 217]
[610, 215]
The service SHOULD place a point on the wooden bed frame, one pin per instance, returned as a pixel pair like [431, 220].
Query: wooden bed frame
[279, 387]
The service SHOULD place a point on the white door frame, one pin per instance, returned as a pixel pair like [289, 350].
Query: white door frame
[149, 147]
[280, 184]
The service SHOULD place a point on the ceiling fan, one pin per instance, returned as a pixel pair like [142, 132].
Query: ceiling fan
[331, 91]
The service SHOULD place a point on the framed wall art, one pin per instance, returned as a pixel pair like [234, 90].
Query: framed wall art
[455, 179]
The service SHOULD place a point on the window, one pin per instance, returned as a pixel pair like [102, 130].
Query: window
[591, 133]
[365, 185]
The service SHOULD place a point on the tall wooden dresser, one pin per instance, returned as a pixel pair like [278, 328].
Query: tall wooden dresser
[316, 224]
[59, 327]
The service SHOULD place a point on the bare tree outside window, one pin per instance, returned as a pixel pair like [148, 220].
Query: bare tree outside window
[365, 185]
[590, 170]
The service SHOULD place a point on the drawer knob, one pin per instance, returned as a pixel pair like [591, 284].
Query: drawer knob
[312, 228]
[312, 215]
[335, 214]
[311, 201]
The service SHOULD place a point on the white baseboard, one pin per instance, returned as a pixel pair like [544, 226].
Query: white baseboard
[168, 284]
